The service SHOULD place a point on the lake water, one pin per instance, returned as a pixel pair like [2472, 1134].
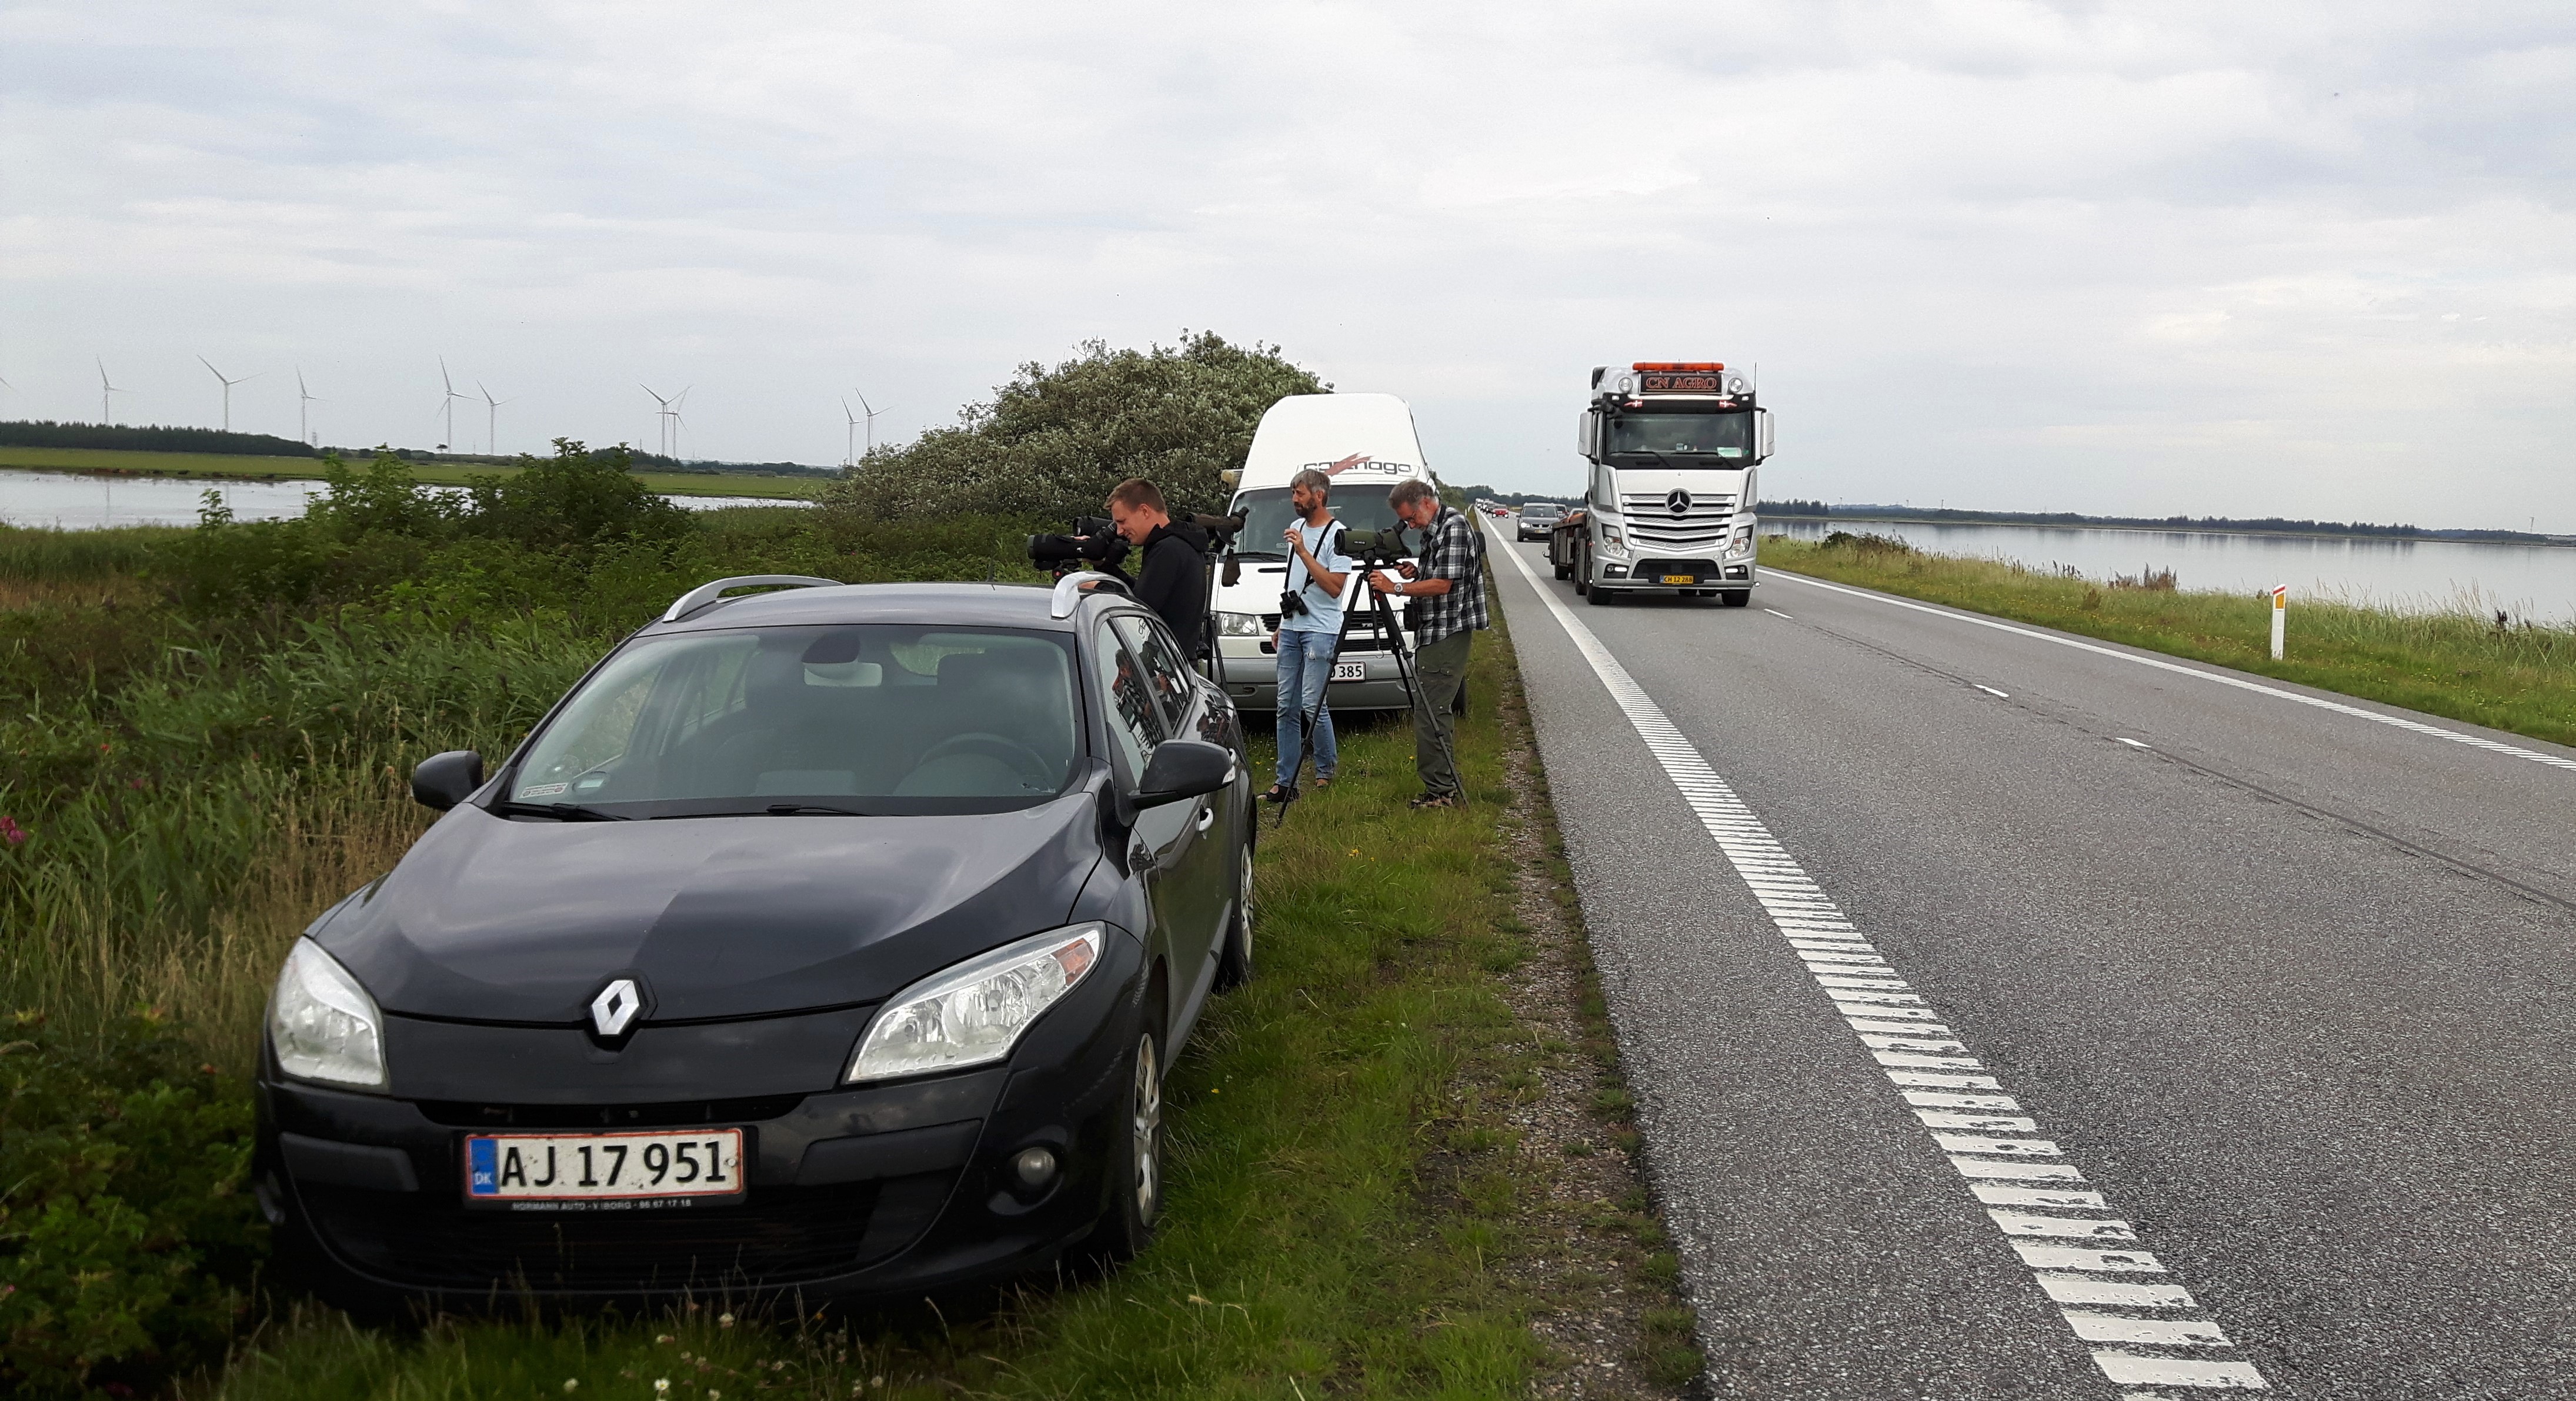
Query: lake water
[70, 501]
[2535, 581]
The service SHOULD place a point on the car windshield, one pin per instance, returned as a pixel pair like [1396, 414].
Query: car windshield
[875, 720]
[1542, 508]
[1674, 436]
[1266, 514]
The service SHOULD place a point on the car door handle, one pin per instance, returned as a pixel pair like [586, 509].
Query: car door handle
[1207, 816]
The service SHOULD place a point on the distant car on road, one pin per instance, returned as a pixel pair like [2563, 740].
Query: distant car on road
[832, 940]
[1538, 518]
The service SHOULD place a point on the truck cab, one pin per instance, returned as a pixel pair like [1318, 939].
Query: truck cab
[1671, 451]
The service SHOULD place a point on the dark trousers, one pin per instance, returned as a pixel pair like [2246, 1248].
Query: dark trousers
[1439, 669]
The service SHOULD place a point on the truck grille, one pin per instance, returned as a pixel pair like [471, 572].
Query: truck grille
[1652, 525]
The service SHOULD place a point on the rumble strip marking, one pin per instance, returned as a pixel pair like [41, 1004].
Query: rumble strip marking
[2086, 1263]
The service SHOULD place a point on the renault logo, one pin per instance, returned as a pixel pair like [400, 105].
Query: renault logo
[1678, 503]
[615, 1007]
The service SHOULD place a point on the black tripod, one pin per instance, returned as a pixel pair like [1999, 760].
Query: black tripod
[1383, 614]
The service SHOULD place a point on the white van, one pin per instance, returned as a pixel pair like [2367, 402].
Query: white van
[1366, 444]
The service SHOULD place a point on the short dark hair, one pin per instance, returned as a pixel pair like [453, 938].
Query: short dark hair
[1320, 482]
[1410, 490]
[1138, 494]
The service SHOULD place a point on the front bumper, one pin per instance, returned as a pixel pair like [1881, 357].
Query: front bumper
[1250, 677]
[851, 1190]
[1649, 575]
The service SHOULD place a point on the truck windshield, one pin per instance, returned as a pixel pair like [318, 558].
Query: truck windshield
[1266, 514]
[1727, 437]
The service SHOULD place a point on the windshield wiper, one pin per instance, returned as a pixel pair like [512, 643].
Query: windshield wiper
[566, 812]
[813, 809]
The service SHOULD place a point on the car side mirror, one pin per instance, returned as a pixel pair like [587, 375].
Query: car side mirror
[1184, 768]
[444, 780]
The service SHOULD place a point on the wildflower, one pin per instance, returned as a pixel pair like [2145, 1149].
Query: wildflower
[724, 1320]
[12, 833]
[572, 1384]
[661, 1386]
[665, 1338]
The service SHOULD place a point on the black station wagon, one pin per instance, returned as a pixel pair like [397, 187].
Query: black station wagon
[833, 939]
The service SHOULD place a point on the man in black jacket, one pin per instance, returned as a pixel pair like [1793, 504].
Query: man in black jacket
[1173, 577]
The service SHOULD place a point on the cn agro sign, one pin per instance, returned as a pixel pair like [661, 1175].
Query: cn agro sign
[1360, 464]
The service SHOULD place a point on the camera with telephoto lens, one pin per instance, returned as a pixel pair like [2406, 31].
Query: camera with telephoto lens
[1093, 543]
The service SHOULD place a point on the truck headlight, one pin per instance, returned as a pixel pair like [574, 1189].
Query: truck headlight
[1743, 539]
[974, 1012]
[1240, 625]
[1612, 542]
[323, 1025]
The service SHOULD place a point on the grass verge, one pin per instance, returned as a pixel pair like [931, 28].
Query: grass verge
[2486, 669]
[1397, 1150]
[122, 463]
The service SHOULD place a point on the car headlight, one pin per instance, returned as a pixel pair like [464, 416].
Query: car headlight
[974, 1012]
[323, 1025]
[1240, 625]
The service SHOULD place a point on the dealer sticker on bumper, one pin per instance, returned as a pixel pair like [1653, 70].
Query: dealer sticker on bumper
[567, 1168]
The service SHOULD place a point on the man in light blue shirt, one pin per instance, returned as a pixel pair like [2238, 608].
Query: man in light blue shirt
[1308, 628]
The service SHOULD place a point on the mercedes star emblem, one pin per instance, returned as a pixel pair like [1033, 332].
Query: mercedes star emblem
[1678, 503]
[615, 1006]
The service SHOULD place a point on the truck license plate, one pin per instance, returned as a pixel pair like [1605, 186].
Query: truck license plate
[1681, 578]
[602, 1167]
[1350, 671]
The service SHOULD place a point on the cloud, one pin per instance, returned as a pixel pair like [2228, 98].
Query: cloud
[2182, 257]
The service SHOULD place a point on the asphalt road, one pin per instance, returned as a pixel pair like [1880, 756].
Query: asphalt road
[2284, 988]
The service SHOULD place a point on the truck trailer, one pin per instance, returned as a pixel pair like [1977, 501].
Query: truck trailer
[1670, 450]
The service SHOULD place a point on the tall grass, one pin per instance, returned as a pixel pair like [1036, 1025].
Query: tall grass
[2469, 661]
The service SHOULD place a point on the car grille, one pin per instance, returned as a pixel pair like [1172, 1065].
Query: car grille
[780, 1236]
[468, 1115]
[1653, 526]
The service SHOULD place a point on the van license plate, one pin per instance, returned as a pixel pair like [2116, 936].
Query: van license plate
[602, 1167]
[1350, 671]
[1681, 578]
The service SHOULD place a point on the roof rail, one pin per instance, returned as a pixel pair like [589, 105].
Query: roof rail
[1068, 590]
[708, 593]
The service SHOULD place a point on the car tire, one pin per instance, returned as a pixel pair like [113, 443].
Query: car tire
[1234, 957]
[1134, 1163]
[1737, 598]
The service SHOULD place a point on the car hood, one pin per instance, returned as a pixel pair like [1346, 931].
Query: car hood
[487, 919]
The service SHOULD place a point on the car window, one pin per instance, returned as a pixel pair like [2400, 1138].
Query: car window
[873, 719]
[1134, 725]
[1163, 670]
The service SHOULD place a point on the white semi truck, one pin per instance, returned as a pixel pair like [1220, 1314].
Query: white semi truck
[1671, 449]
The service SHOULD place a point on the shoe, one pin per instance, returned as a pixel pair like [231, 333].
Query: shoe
[1279, 794]
[1323, 780]
[1434, 800]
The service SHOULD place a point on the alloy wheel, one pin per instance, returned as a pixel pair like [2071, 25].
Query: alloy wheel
[1147, 1126]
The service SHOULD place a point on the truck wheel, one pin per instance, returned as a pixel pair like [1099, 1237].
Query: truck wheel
[1563, 570]
[1582, 567]
[1737, 598]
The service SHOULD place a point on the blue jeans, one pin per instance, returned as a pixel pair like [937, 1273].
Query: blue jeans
[1305, 666]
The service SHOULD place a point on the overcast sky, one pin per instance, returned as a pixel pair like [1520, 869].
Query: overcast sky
[2305, 259]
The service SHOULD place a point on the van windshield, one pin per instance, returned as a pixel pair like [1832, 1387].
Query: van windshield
[1266, 514]
[871, 720]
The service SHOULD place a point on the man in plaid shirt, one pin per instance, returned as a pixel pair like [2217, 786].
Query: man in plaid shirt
[1447, 584]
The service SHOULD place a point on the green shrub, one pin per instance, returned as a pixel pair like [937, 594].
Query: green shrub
[128, 1234]
[576, 499]
[1054, 441]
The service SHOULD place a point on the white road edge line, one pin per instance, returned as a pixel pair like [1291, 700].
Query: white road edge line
[2060, 1271]
[1776, 613]
[2319, 702]
[1989, 690]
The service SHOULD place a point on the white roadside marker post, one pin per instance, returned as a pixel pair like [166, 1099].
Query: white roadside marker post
[2280, 615]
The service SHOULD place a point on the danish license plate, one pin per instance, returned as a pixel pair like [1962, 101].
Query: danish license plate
[589, 1171]
[1681, 578]
[1350, 671]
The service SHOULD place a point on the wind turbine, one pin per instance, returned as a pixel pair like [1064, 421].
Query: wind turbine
[850, 443]
[449, 403]
[105, 389]
[661, 420]
[491, 421]
[304, 400]
[873, 411]
[228, 388]
[668, 413]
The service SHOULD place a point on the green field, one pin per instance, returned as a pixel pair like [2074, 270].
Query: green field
[2509, 674]
[279, 469]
